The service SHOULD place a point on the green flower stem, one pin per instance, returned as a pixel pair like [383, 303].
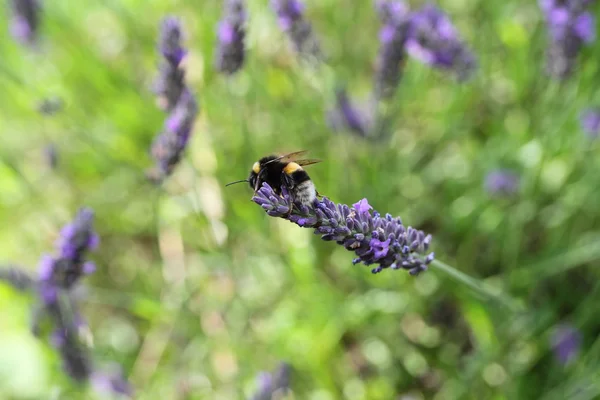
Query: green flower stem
[477, 286]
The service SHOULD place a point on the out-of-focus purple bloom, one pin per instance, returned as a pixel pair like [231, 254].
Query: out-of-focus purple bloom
[170, 83]
[271, 383]
[111, 382]
[374, 239]
[76, 239]
[347, 115]
[590, 122]
[290, 14]
[169, 146]
[433, 40]
[25, 20]
[502, 182]
[566, 342]
[75, 358]
[231, 34]
[394, 15]
[570, 26]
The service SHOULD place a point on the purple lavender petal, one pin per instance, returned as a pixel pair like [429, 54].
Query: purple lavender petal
[566, 342]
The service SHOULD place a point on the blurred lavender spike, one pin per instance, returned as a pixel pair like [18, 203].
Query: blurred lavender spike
[231, 33]
[383, 241]
[566, 342]
[25, 20]
[433, 40]
[112, 381]
[170, 84]
[271, 383]
[169, 146]
[17, 278]
[570, 26]
[502, 182]
[394, 15]
[75, 241]
[590, 122]
[290, 14]
[347, 116]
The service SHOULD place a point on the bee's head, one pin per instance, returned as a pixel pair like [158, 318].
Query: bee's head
[253, 178]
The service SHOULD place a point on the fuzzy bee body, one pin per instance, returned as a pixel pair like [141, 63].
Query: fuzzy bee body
[285, 171]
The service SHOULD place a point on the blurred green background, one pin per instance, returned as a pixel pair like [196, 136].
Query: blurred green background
[197, 290]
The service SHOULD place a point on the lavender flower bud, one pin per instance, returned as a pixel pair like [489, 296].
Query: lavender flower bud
[290, 14]
[271, 383]
[570, 26]
[566, 342]
[170, 83]
[169, 146]
[502, 182]
[590, 122]
[25, 20]
[433, 40]
[374, 239]
[346, 116]
[394, 15]
[231, 35]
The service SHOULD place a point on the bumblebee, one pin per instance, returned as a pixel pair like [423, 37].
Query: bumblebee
[286, 171]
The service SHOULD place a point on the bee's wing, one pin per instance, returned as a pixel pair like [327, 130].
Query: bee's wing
[288, 157]
[308, 162]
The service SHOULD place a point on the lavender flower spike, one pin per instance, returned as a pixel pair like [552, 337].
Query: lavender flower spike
[346, 115]
[170, 83]
[378, 240]
[290, 14]
[231, 34]
[570, 26]
[271, 383]
[394, 15]
[25, 20]
[502, 182]
[433, 40]
[565, 341]
[169, 146]
[590, 122]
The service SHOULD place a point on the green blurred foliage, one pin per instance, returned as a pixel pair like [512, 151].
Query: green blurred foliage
[197, 290]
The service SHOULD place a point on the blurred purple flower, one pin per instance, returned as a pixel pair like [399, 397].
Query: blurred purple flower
[25, 20]
[347, 115]
[170, 84]
[231, 35]
[374, 239]
[290, 14]
[433, 40]
[590, 122]
[570, 26]
[566, 342]
[112, 382]
[394, 15]
[502, 182]
[271, 383]
[169, 146]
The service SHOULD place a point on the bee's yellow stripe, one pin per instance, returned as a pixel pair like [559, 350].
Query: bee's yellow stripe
[256, 167]
[291, 168]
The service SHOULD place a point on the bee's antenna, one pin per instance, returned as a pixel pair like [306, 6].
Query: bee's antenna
[232, 183]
